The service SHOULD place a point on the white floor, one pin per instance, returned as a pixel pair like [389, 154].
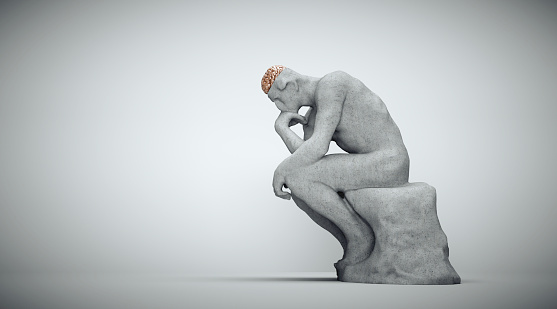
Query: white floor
[279, 290]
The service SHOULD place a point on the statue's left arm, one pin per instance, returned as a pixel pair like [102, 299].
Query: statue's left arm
[330, 95]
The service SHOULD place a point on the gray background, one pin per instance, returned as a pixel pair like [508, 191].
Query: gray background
[134, 136]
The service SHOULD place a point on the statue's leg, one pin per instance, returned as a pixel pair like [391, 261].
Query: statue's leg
[322, 221]
[344, 172]
[325, 202]
[317, 185]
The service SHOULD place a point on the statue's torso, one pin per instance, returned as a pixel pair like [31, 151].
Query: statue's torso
[365, 125]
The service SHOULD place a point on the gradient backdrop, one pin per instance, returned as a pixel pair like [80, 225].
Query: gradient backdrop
[134, 136]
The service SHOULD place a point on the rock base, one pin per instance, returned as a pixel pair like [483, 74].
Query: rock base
[410, 246]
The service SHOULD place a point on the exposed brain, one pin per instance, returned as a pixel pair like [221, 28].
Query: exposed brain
[270, 76]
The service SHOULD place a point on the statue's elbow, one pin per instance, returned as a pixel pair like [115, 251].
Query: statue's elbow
[319, 151]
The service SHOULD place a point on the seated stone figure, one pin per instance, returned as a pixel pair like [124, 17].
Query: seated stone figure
[344, 110]
[341, 109]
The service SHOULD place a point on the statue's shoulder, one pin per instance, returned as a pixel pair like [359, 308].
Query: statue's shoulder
[337, 76]
[334, 81]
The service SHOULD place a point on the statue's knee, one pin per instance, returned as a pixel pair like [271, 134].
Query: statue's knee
[295, 181]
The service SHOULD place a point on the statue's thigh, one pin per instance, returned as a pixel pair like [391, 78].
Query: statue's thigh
[344, 172]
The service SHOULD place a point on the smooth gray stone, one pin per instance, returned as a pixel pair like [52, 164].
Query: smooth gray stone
[362, 191]
[410, 246]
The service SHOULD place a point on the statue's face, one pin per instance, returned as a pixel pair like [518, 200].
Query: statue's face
[286, 101]
[285, 93]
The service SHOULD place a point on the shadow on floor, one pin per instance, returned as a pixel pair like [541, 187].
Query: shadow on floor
[254, 279]
[278, 279]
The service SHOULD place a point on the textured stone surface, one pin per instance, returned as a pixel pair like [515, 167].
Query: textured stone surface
[410, 246]
[341, 192]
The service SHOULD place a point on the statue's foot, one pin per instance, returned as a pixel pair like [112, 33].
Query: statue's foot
[341, 265]
[356, 251]
[349, 260]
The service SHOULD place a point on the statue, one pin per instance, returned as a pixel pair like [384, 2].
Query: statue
[362, 197]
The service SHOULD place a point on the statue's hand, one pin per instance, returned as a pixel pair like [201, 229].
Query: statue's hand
[278, 182]
[288, 119]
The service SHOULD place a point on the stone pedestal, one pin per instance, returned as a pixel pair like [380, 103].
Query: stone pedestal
[410, 246]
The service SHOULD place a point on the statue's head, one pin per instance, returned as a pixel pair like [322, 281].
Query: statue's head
[270, 76]
[282, 86]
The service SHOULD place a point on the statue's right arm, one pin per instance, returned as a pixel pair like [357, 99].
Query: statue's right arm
[291, 140]
[282, 127]
[308, 127]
